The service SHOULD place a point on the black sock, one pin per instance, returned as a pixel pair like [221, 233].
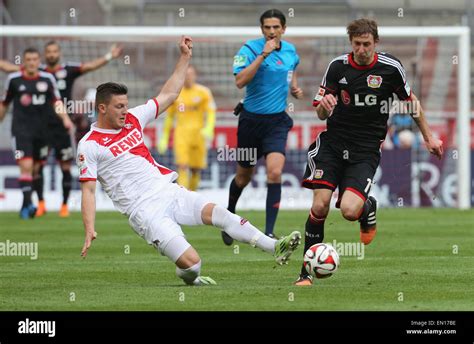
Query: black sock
[67, 181]
[365, 209]
[38, 184]
[234, 194]
[26, 187]
[272, 206]
[314, 234]
[367, 215]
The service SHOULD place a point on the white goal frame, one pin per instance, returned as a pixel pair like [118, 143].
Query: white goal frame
[461, 33]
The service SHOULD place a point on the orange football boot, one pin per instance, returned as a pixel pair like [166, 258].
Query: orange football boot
[366, 236]
[41, 210]
[64, 211]
[304, 281]
[368, 225]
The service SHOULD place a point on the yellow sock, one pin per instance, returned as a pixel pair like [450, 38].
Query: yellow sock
[183, 178]
[195, 179]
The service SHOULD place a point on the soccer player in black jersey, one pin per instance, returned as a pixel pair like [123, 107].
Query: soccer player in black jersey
[35, 96]
[59, 139]
[354, 98]
[66, 74]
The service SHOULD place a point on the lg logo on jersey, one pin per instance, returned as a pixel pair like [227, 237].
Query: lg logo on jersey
[36, 99]
[359, 100]
[369, 99]
[39, 99]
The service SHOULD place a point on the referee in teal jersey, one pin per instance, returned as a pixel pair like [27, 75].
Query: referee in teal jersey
[267, 68]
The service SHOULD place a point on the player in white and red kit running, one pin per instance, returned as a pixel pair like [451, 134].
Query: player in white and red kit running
[113, 152]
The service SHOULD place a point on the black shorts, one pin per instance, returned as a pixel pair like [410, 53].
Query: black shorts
[60, 140]
[30, 147]
[264, 133]
[332, 163]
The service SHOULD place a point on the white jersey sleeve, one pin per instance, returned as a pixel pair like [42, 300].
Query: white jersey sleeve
[147, 112]
[87, 161]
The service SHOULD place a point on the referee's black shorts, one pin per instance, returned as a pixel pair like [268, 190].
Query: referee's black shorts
[265, 133]
[333, 163]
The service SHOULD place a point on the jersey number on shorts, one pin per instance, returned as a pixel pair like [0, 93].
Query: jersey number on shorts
[369, 183]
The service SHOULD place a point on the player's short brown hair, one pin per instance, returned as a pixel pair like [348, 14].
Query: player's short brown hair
[30, 50]
[362, 26]
[52, 42]
[105, 91]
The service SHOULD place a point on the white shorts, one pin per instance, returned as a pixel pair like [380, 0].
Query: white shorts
[158, 220]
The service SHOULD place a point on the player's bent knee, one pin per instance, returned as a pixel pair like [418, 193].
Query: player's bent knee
[274, 175]
[320, 206]
[178, 251]
[188, 259]
[206, 214]
[350, 213]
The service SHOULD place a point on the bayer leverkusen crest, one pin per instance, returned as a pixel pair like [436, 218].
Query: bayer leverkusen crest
[41, 86]
[374, 81]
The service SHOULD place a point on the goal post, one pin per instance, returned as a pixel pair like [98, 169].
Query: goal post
[462, 63]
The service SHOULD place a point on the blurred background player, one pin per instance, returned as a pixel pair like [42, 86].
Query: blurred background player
[195, 113]
[347, 154]
[83, 118]
[34, 95]
[401, 131]
[58, 137]
[114, 153]
[267, 68]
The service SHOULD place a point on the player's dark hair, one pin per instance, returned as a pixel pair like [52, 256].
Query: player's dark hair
[105, 91]
[273, 14]
[30, 50]
[362, 26]
[52, 42]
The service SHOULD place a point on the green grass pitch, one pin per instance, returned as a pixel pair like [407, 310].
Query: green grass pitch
[421, 259]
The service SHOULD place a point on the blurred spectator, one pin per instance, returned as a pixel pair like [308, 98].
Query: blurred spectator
[401, 131]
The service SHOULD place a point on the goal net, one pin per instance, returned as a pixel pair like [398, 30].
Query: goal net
[436, 60]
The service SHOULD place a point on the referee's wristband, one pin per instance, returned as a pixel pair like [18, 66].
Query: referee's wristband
[264, 55]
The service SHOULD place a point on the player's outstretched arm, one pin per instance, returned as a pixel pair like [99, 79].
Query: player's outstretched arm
[8, 67]
[88, 214]
[434, 146]
[173, 86]
[114, 52]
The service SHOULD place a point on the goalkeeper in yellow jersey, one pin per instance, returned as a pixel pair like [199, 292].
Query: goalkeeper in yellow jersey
[195, 113]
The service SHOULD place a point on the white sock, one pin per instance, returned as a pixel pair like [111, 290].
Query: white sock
[190, 275]
[240, 229]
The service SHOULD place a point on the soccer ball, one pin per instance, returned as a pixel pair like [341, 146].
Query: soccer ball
[321, 260]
